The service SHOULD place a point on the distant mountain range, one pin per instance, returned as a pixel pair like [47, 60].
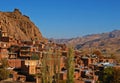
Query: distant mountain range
[109, 41]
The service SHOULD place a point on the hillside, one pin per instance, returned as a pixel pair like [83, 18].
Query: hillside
[107, 42]
[19, 26]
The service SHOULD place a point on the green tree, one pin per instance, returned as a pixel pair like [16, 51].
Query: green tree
[110, 75]
[106, 75]
[70, 66]
[35, 57]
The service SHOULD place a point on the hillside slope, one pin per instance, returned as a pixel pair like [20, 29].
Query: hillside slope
[109, 41]
[19, 26]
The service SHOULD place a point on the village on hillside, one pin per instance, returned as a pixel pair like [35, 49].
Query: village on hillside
[40, 62]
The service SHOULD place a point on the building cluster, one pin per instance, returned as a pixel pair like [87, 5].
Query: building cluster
[28, 58]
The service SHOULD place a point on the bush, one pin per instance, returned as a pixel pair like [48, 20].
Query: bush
[4, 74]
[34, 57]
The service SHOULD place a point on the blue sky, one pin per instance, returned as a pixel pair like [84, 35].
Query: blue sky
[69, 18]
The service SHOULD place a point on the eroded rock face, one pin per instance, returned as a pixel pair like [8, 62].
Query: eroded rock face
[19, 26]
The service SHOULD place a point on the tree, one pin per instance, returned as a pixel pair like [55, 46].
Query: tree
[57, 65]
[44, 69]
[4, 63]
[35, 57]
[106, 75]
[116, 75]
[4, 73]
[47, 67]
[70, 66]
[110, 75]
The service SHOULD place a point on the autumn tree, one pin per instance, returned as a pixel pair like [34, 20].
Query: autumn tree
[70, 66]
[4, 73]
[56, 66]
[44, 69]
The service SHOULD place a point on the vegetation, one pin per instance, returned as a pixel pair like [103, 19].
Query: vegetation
[50, 67]
[44, 69]
[70, 66]
[4, 73]
[47, 67]
[116, 75]
[105, 75]
[34, 57]
[110, 75]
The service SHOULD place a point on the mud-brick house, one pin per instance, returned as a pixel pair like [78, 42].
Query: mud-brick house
[110, 60]
[63, 75]
[41, 46]
[13, 41]
[64, 53]
[76, 75]
[15, 63]
[27, 42]
[13, 59]
[4, 36]
[17, 77]
[117, 67]
[89, 60]
[27, 51]
[62, 62]
[4, 44]
[3, 50]
[85, 60]
[30, 66]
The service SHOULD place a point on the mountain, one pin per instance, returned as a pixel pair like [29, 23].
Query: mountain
[19, 26]
[109, 41]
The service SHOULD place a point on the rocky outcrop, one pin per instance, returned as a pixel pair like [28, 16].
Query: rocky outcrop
[19, 26]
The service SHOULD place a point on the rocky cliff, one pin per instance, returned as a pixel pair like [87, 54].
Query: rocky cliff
[19, 26]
